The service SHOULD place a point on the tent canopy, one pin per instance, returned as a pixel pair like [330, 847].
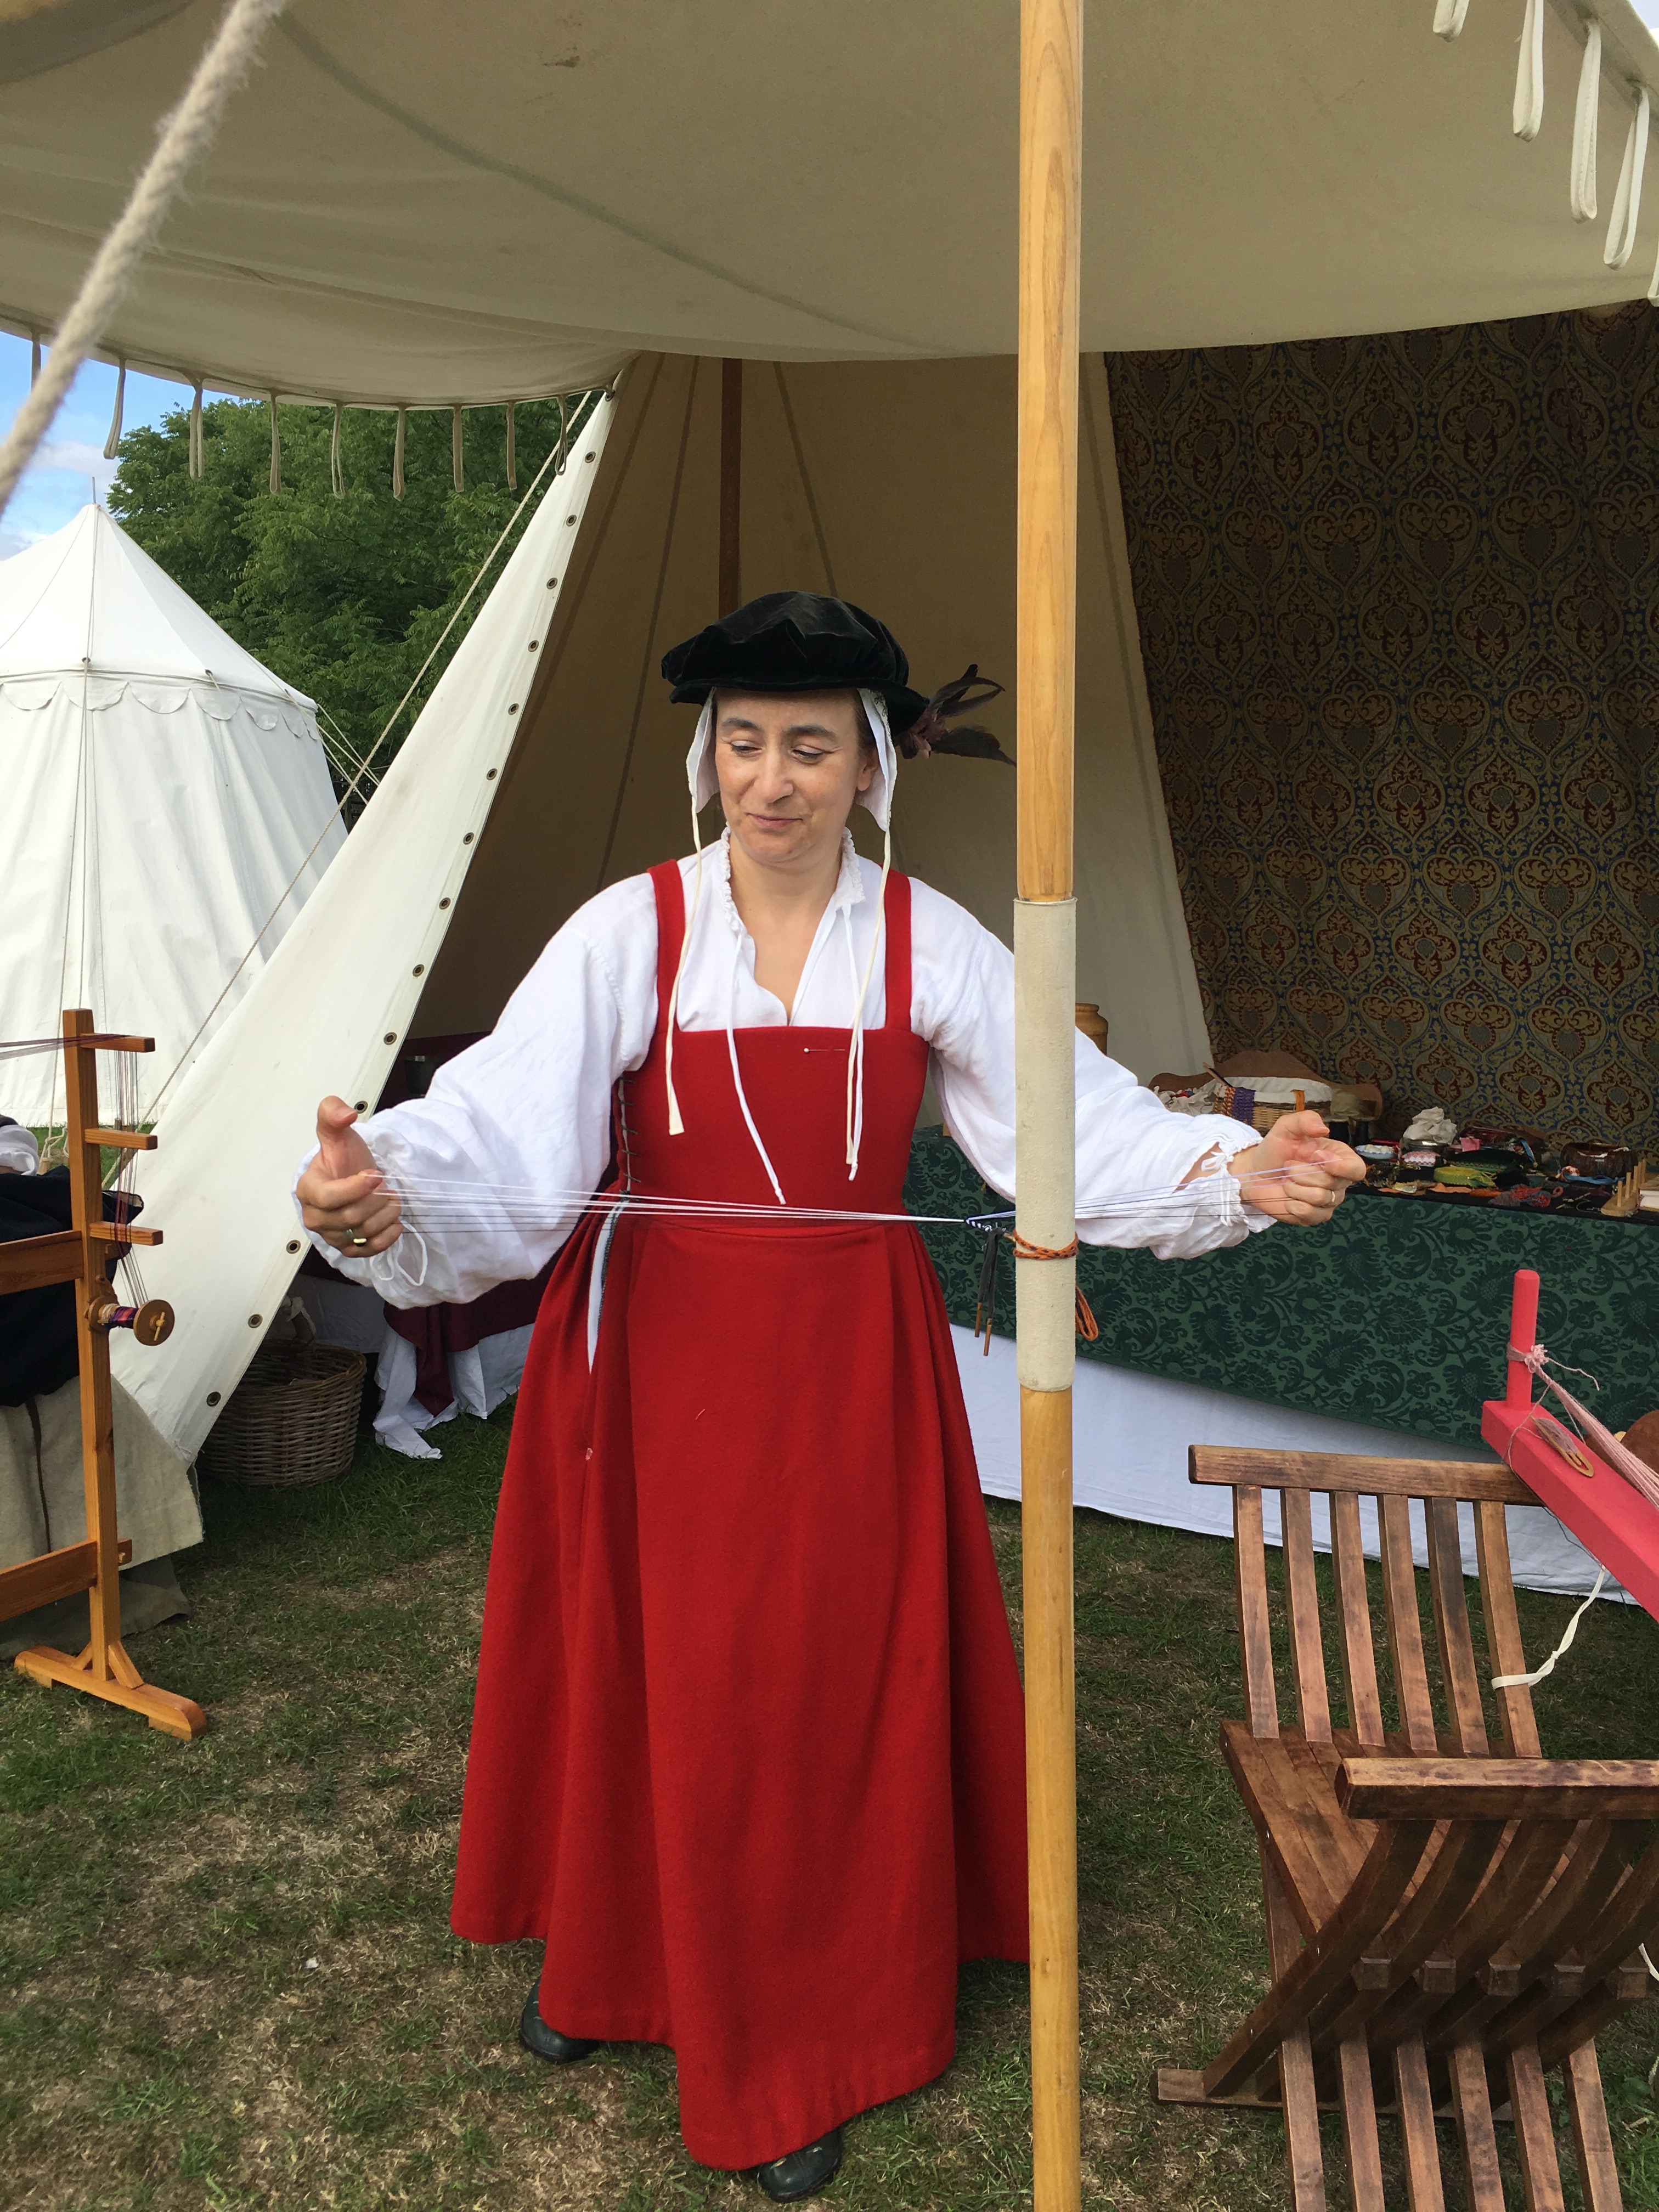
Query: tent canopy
[90, 598]
[168, 805]
[416, 203]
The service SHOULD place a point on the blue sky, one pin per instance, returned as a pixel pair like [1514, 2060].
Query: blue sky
[72, 461]
[61, 481]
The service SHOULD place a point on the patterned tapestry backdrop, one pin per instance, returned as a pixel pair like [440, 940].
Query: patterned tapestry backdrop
[1399, 602]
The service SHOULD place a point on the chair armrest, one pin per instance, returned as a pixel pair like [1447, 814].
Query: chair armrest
[1498, 1789]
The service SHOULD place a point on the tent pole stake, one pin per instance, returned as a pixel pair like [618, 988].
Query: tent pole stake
[1050, 210]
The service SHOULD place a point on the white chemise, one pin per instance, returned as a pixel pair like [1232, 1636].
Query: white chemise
[523, 1117]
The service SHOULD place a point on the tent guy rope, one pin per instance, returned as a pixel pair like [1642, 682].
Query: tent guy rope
[185, 135]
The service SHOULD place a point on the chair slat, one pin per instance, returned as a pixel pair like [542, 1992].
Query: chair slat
[1255, 1630]
[1504, 1645]
[1233, 1465]
[1358, 1654]
[1534, 2133]
[1307, 1647]
[1410, 1679]
[1305, 2155]
[1451, 1621]
[1473, 2106]
[1592, 2140]
[1359, 2126]
[1424, 2187]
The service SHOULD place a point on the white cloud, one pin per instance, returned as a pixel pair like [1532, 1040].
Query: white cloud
[75, 457]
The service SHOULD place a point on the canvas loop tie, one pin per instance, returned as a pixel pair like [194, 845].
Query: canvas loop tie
[1627, 200]
[195, 466]
[1581, 191]
[1529, 111]
[1448, 17]
[113, 441]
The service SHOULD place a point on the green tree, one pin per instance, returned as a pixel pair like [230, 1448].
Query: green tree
[342, 597]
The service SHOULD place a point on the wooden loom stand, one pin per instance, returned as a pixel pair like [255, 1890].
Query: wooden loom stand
[83, 1255]
[1050, 212]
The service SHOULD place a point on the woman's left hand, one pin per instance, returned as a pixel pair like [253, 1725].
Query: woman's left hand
[1299, 1172]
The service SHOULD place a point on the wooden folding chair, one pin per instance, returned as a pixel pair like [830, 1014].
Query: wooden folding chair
[1449, 1917]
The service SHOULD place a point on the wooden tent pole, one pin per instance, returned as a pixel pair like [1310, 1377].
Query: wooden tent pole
[1045, 969]
[730, 560]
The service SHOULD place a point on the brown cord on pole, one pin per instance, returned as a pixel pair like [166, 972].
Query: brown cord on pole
[1087, 1327]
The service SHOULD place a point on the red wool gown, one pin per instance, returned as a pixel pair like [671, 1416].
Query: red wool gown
[748, 1748]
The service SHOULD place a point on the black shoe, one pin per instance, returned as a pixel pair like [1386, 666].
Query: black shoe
[802, 2172]
[546, 2042]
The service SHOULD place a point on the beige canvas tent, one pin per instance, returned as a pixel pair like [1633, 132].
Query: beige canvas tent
[425, 204]
[889, 484]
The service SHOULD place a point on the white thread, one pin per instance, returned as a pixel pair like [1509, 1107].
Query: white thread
[1627, 200]
[114, 438]
[1581, 185]
[196, 461]
[276, 445]
[512, 448]
[457, 453]
[336, 473]
[1449, 16]
[398, 455]
[1531, 1681]
[187, 133]
[1529, 111]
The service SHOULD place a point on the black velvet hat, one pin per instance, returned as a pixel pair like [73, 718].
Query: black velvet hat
[795, 641]
[803, 641]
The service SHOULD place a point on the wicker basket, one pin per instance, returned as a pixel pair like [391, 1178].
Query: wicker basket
[292, 1419]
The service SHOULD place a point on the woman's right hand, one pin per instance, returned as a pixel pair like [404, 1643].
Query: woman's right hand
[343, 1194]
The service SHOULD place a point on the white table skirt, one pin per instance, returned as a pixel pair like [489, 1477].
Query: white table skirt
[1131, 1434]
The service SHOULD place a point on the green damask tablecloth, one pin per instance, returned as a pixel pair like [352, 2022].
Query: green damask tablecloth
[1396, 1315]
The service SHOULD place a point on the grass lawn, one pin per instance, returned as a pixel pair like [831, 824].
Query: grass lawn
[230, 1981]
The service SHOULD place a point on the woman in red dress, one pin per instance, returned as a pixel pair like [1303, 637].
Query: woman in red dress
[747, 1751]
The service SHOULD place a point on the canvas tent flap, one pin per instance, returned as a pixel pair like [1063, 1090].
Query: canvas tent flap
[423, 203]
[330, 1008]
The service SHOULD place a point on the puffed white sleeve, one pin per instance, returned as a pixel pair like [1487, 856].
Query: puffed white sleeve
[493, 1164]
[1131, 1153]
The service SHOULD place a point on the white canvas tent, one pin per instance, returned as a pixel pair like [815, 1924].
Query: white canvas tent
[168, 805]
